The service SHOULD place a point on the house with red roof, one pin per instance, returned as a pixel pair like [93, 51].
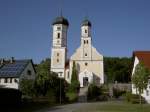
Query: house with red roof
[144, 57]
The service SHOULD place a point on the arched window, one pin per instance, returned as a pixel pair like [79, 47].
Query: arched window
[58, 28]
[57, 60]
[86, 64]
[85, 54]
[58, 35]
[85, 31]
[87, 41]
[57, 54]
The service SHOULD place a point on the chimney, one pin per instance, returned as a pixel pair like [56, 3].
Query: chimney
[2, 61]
[12, 60]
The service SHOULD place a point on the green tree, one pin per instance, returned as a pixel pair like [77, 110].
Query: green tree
[74, 78]
[118, 69]
[43, 78]
[140, 78]
[27, 87]
[72, 92]
[47, 83]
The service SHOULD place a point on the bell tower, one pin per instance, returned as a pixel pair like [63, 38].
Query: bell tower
[86, 40]
[59, 46]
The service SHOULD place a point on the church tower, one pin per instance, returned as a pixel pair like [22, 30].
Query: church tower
[86, 40]
[59, 46]
[89, 61]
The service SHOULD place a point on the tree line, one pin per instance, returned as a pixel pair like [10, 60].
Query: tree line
[48, 85]
[118, 69]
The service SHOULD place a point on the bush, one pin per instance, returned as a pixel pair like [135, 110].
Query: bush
[128, 96]
[27, 87]
[72, 96]
[93, 92]
[117, 93]
[133, 98]
[103, 97]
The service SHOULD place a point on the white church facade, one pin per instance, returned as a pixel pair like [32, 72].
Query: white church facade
[89, 62]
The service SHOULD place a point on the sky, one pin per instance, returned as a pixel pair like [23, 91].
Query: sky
[119, 27]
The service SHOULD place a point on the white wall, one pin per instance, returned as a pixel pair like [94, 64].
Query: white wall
[13, 84]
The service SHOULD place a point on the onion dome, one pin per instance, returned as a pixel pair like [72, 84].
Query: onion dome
[86, 22]
[60, 20]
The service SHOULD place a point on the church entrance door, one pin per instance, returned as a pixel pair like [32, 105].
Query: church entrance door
[85, 81]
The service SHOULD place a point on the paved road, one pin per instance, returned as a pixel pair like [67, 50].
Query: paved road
[67, 108]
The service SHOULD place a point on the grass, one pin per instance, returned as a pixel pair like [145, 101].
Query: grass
[110, 106]
[115, 107]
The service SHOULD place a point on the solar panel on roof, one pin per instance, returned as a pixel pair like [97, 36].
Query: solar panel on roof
[13, 69]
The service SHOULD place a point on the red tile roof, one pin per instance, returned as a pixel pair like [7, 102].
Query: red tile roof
[143, 56]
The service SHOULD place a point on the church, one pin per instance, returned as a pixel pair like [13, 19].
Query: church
[89, 62]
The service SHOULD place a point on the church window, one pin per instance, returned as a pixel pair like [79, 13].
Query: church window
[86, 64]
[58, 28]
[58, 35]
[57, 54]
[57, 60]
[85, 31]
[84, 42]
[87, 41]
[85, 54]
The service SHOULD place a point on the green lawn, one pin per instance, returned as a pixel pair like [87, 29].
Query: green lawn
[115, 107]
[110, 106]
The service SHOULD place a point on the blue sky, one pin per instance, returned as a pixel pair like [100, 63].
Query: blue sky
[118, 26]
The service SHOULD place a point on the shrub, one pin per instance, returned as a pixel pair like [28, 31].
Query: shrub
[128, 96]
[72, 96]
[93, 92]
[133, 98]
[117, 93]
[27, 87]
